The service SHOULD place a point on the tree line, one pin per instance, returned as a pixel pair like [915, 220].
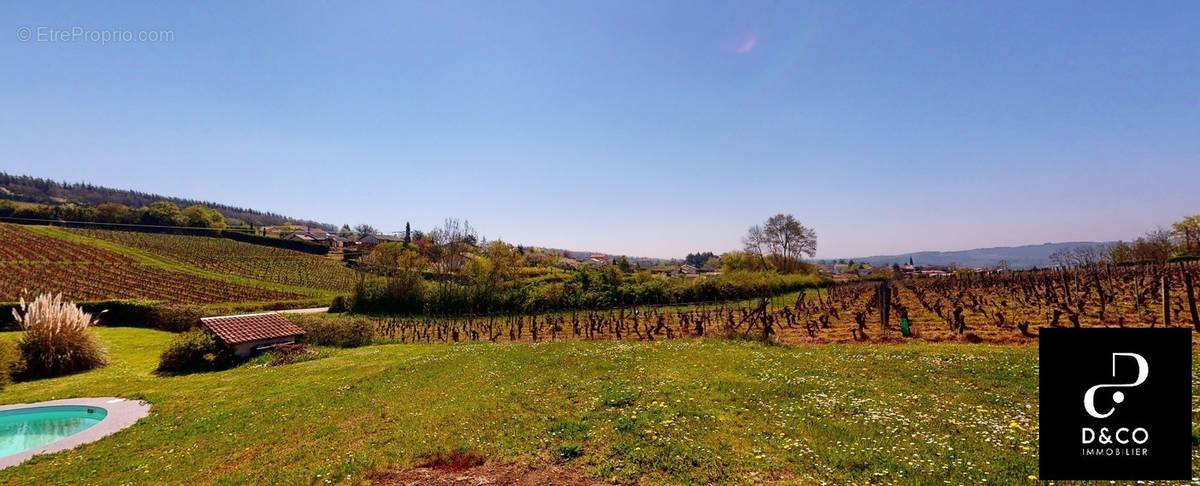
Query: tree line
[161, 213]
[48, 192]
[1179, 242]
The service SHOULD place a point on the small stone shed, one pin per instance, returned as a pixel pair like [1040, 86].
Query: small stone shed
[252, 333]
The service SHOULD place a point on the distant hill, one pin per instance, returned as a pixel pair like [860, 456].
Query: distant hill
[44, 191]
[1026, 256]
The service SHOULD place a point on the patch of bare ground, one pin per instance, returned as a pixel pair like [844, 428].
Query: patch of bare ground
[466, 469]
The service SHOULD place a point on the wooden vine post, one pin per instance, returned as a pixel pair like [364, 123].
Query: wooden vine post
[1166, 299]
[1191, 295]
[885, 300]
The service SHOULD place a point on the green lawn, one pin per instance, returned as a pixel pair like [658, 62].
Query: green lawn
[677, 412]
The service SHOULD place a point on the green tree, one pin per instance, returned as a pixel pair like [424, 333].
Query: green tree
[394, 256]
[1188, 231]
[623, 264]
[783, 241]
[1120, 252]
[113, 213]
[199, 216]
[163, 213]
[698, 259]
[740, 261]
[1155, 246]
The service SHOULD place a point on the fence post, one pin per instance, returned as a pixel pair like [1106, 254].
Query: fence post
[885, 301]
[1166, 299]
[1191, 295]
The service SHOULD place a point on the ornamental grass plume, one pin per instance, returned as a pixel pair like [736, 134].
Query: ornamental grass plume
[58, 338]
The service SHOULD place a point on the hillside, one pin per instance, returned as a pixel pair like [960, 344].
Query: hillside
[93, 265]
[44, 191]
[1026, 256]
[276, 265]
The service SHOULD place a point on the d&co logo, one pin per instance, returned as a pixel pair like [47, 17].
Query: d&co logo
[1115, 404]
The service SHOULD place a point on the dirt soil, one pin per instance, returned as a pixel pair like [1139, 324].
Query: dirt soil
[487, 474]
[458, 469]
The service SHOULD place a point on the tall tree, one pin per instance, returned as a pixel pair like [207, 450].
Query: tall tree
[1188, 231]
[783, 241]
[698, 259]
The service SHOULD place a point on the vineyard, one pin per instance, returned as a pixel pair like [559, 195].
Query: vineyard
[986, 307]
[226, 256]
[33, 263]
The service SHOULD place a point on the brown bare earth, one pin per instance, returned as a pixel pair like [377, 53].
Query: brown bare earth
[459, 469]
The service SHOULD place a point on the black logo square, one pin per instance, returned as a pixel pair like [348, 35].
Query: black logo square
[1115, 403]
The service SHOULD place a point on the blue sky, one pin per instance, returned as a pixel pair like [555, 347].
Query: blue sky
[648, 128]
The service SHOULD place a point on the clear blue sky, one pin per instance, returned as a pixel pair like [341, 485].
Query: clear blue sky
[649, 128]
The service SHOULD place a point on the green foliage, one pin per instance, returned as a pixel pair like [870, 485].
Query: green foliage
[326, 330]
[135, 313]
[11, 362]
[287, 354]
[570, 451]
[198, 216]
[339, 304]
[585, 288]
[194, 351]
[617, 398]
[47, 196]
[164, 213]
[58, 338]
[740, 261]
[698, 259]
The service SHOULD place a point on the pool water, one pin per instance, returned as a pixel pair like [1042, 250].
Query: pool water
[29, 428]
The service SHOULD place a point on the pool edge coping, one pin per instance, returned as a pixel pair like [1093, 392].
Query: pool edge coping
[121, 413]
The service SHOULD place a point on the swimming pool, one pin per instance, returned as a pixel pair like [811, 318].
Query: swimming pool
[29, 428]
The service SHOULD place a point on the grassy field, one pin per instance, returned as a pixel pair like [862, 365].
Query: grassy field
[676, 412]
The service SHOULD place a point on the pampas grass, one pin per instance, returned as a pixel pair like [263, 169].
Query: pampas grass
[58, 337]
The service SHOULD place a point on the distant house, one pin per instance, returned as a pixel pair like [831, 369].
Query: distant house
[252, 333]
[320, 237]
[689, 270]
[596, 259]
[370, 241]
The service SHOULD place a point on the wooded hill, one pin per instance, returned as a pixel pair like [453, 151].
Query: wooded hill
[44, 191]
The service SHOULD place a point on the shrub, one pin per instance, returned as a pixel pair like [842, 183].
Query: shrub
[11, 362]
[343, 333]
[340, 303]
[570, 451]
[135, 313]
[58, 337]
[194, 351]
[291, 353]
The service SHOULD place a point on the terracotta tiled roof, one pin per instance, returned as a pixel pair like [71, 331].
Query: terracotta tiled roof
[251, 327]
